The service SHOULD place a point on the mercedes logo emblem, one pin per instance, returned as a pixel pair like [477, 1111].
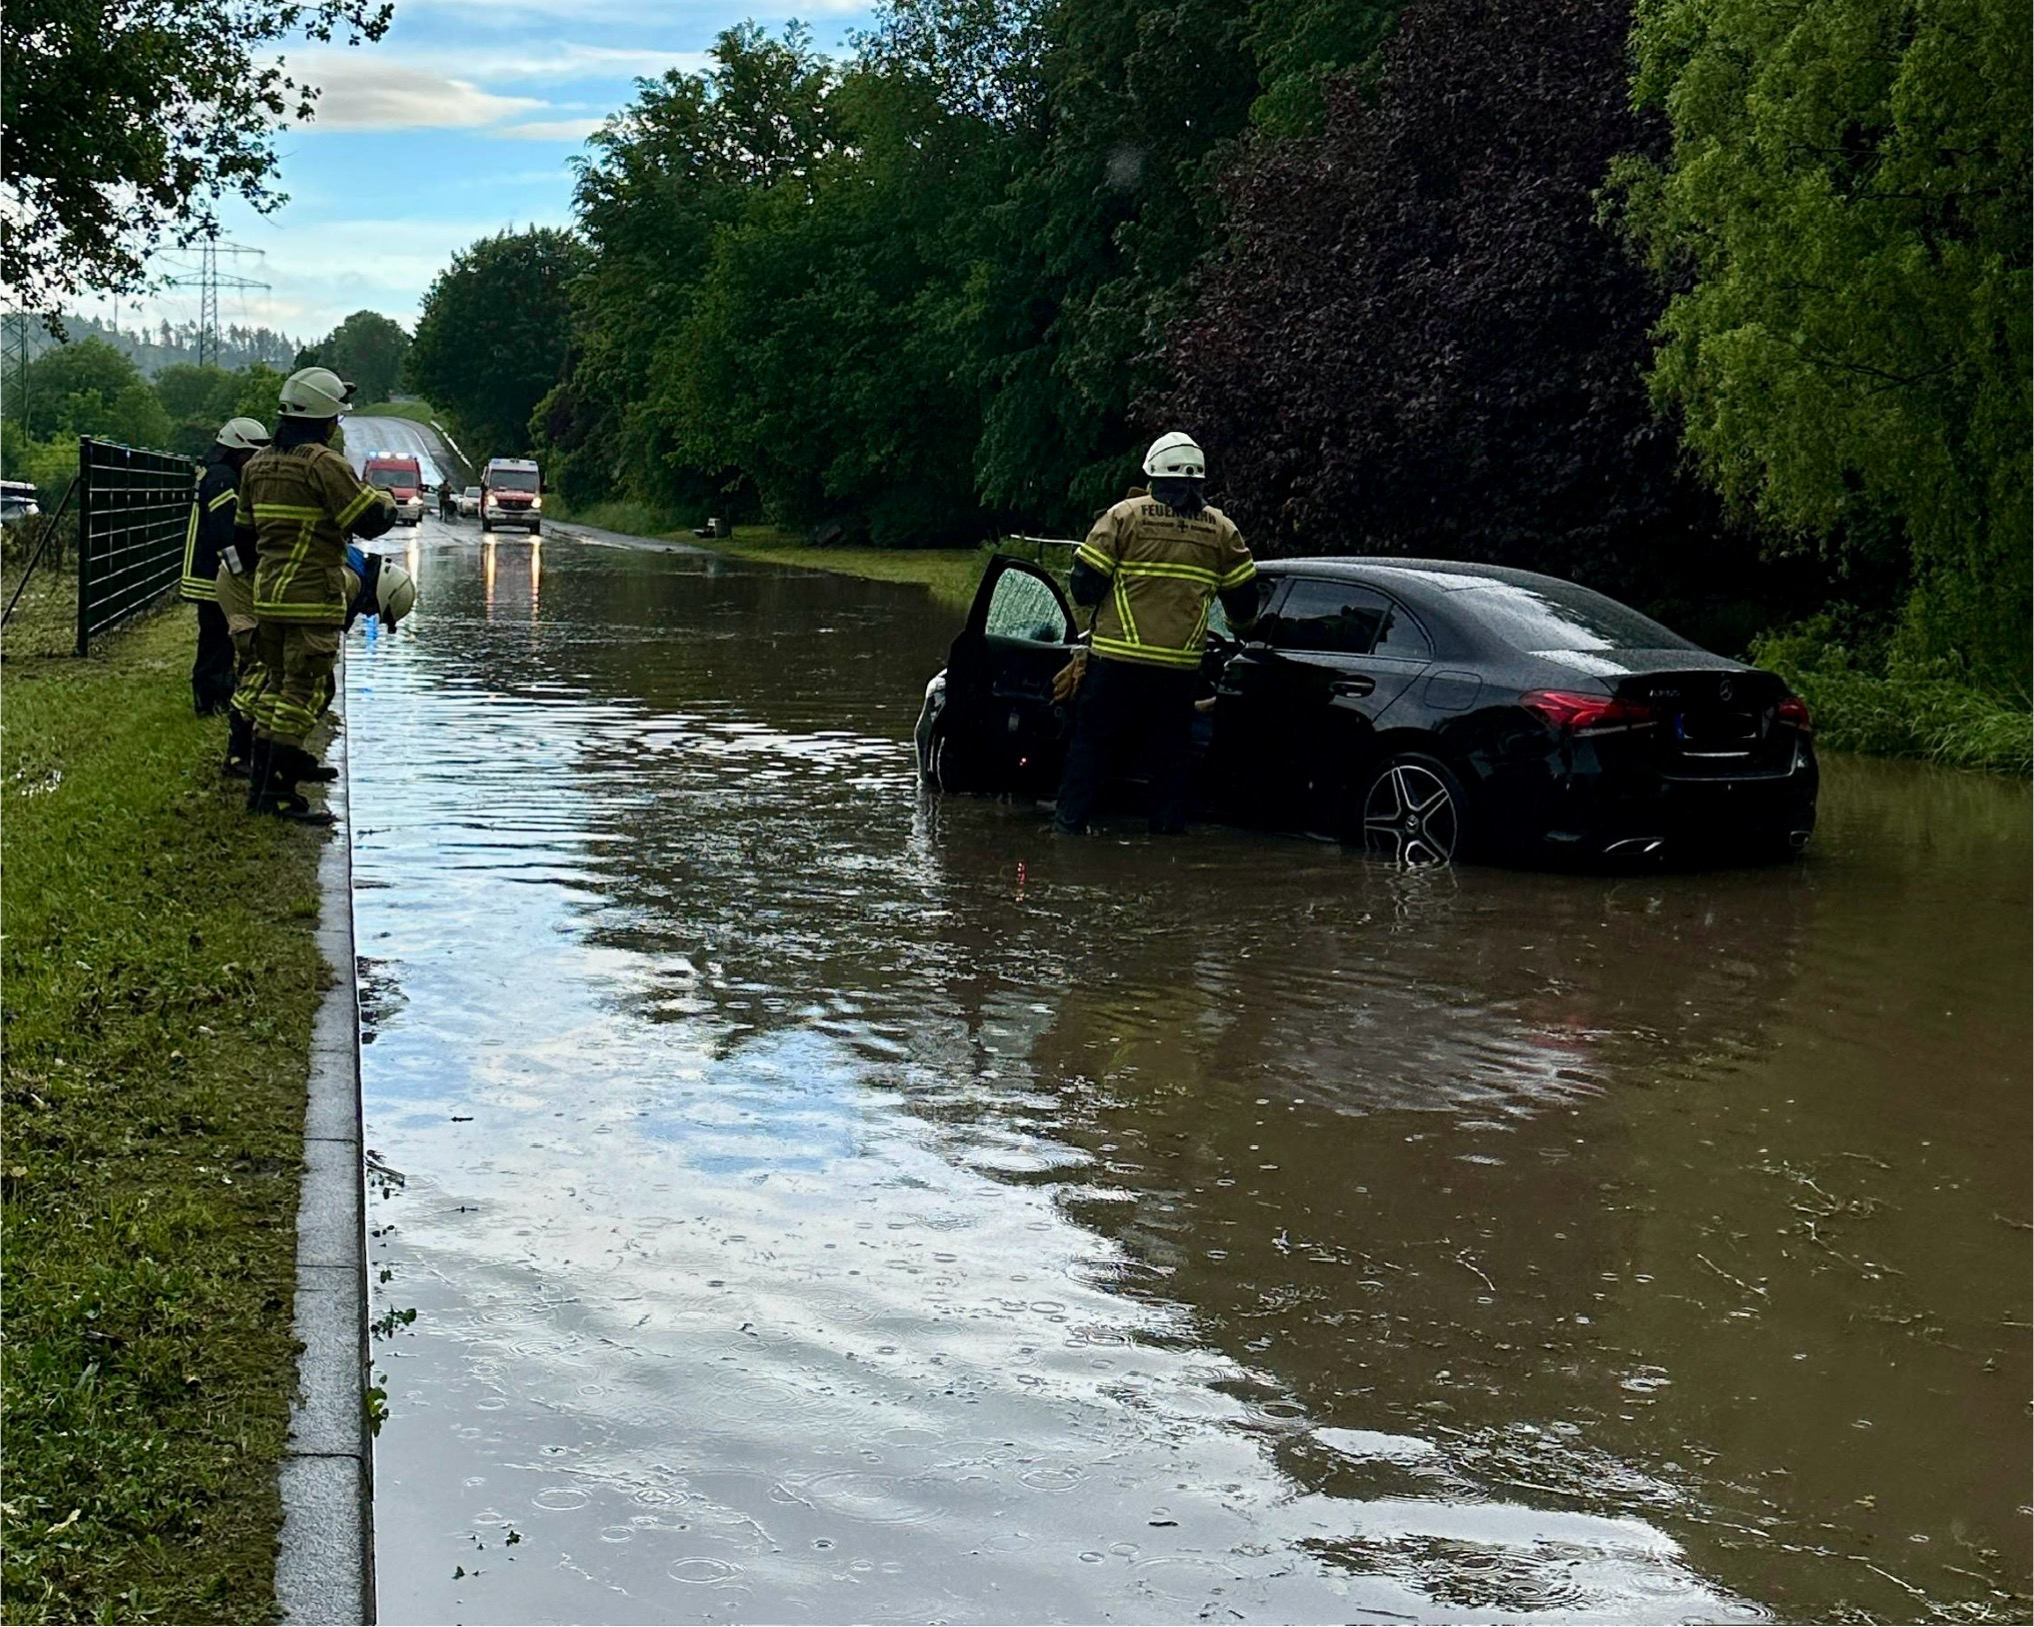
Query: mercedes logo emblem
[1723, 690]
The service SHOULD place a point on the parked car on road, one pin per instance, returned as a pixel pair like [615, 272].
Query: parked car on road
[402, 479]
[1426, 710]
[468, 501]
[18, 501]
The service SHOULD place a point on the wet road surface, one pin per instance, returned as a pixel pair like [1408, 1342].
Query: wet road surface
[369, 435]
[822, 1204]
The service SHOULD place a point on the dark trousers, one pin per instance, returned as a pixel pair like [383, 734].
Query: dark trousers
[213, 672]
[1130, 716]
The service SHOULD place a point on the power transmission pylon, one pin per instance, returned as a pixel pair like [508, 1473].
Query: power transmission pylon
[15, 354]
[206, 277]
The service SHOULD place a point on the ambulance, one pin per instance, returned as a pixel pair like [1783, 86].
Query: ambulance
[511, 494]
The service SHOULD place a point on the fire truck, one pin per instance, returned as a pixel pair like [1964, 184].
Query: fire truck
[402, 479]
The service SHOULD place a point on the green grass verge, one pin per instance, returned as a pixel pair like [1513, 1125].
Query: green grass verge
[160, 980]
[1934, 719]
[950, 574]
[1902, 713]
[418, 412]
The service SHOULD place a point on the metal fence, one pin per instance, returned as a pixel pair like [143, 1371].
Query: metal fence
[133, 509]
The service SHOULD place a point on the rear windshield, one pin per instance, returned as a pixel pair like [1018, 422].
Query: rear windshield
[1561, 616]
[513, 480]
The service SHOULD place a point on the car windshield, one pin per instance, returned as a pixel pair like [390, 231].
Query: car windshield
[471, 491]
[513, 480]
[387, 479]
[1561, 616]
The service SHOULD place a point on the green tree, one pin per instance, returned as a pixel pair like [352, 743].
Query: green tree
[71, 388]
[368, 349]
[257, 395]
[826, 354]
[661, 178]
[197, 400]
[1300, 45]
[494, 334]
[1141, 105]
[1845, 218]
[191, 391]
[128, 123]
[135, 417]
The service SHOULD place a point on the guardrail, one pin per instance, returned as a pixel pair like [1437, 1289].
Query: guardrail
[133, 508]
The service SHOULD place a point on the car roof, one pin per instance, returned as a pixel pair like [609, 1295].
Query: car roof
[1447, 575]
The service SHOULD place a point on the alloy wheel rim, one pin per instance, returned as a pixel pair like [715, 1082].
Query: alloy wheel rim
[1410, 818]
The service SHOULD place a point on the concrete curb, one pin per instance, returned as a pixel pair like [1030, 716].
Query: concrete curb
[573, 531]
[324, 1570]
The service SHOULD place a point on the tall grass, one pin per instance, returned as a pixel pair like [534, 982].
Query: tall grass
[1902, 709]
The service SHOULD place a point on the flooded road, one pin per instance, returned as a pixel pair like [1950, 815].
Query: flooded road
[820, 1204]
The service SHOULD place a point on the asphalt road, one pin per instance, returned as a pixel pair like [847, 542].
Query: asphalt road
[367, 435]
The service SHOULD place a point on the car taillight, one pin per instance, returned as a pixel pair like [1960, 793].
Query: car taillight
[1588, 714]
[1794, 712]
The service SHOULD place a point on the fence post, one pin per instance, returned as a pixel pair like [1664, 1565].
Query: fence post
[49, 533]
[84, 544]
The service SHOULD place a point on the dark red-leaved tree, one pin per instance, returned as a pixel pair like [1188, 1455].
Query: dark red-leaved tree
[1421, 340]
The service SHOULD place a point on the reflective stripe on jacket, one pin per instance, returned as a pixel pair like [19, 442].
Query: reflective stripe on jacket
[301, 502]
[1163, 567]
[210, 528]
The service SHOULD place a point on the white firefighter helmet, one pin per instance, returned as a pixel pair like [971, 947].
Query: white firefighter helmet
[315, 392]
[395, 594]
[1176, 454]
[242, 434]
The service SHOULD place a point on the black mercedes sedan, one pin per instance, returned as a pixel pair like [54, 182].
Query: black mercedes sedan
[1426, 710]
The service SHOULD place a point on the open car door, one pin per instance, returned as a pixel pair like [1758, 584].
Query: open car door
[999, 729]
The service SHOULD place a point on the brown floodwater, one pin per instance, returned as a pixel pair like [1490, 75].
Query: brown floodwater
[823, 1203]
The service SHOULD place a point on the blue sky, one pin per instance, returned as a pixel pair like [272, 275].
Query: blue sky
[460, 122]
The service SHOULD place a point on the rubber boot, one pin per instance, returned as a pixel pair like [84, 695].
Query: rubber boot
[257, 777]
[239, 748]
[307, 767]
[281, 796]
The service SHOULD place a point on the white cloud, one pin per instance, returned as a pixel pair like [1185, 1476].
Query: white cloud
[549, 130]
[364, 93]
[631, 10]
[568, 59]
[319, 272]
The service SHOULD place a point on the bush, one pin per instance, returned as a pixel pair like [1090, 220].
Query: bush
[19, 541]
[1900, 707]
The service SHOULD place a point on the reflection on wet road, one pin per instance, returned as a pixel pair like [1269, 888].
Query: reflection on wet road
[823, 1205]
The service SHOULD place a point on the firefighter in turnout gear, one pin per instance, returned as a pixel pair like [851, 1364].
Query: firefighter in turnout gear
[209, 530]
[299, 502]
[1149, 568]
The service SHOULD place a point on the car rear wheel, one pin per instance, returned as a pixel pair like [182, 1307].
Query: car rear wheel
[1412, 811]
